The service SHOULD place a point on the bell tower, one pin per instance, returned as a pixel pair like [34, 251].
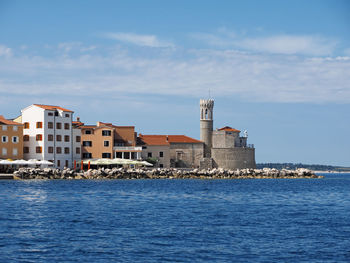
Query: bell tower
[206, 125]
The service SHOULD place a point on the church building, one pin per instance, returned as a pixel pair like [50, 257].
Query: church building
[223, 148]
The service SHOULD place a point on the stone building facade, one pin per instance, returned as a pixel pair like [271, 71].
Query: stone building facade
[178, 151]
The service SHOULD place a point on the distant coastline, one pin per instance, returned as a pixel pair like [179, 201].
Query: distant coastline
[317, 168]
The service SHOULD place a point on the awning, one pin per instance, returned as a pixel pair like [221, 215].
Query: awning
[120, 161]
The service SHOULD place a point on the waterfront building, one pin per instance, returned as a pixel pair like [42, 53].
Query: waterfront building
[223, 148]
[48, 134]
[11, 144]
[105, 140]
[155, 149]
[172, 150]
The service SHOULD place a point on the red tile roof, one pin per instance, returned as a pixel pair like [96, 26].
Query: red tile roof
[182, 139]
[8, 122]
[51, 107]
[227, 128]
[87, 126]
[166, 139]
[154, 139]
[114, 126]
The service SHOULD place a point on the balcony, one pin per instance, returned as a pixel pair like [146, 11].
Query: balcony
[127, 149]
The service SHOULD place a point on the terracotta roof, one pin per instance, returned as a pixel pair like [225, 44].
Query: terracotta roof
[51, 107]
[88, 126]
[182, 139]
[166, 139]
[154, 139]
[114, 126]
[8, 122]
[227, 128]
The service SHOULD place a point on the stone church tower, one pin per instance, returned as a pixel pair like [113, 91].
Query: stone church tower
[206, 125]
[223, 148]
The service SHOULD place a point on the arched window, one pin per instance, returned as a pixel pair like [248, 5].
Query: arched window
[206, 114]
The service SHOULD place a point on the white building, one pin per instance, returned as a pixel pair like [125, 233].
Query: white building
[48, 135]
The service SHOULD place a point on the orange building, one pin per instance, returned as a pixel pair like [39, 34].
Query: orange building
[11, 134]
[106, 140]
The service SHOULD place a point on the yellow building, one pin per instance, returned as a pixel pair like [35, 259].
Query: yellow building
[11, 139]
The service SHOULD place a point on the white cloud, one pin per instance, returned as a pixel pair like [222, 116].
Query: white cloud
[287, 44]
[5, 51]
[191, 73]
[278, 44]
[139, 40]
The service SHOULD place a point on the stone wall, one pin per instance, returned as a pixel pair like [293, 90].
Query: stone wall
[234, 158]
[186, 155]
[160, 152]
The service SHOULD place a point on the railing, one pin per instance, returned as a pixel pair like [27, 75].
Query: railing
[127, 148]
[250, 145]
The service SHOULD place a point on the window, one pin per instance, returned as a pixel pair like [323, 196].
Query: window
[56, 113]
[26, 125]
[179, 156]
[87, 155]
[4, 151]
[15, 139]
[88, 132]
[50, 137]
[58, 150]
[149, 154]
[106, 133]
[58, 125]
[14, 151]
[161, 154]
[50, 114]
[50, 149]
[161, 165]
[25, 149]
[26, 138]
[66, 150]
[58, 137]
[77, 139]
[15, 128]
[4, 139]
[77, 150]
[66, 126]
[87, 143]
[50, 125]
[67, 163]
[4, 127]
[144, 147]
[38, 149]
[58, 162]
[106, 143]
[39, 125]
[39, 137]
[106, 155]
[66, 138]
[67, 115]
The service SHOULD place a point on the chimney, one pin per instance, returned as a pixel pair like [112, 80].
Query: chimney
[78, 119]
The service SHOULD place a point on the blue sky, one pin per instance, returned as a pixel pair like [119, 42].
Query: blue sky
[280, 69]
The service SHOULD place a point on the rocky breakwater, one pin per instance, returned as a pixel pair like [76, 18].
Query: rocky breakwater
[172, 173]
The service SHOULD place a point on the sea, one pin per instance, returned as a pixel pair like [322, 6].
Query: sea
[247, 220]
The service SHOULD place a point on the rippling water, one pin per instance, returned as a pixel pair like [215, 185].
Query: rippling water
[266, 220]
